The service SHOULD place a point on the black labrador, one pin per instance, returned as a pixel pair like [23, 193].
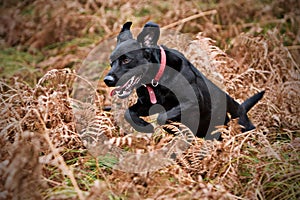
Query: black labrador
[168, 84]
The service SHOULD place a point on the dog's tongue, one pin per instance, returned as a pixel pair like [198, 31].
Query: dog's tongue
[116, 90]
[113, 92]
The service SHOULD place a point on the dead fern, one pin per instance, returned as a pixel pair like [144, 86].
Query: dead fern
[39, 121]
[266, 64]
[42, 129]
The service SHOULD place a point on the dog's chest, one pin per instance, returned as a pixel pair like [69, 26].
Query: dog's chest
[163, 96]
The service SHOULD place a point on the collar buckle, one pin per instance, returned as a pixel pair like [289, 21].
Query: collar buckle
[154, 83]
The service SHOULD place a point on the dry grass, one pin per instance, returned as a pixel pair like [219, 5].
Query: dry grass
[54, 146]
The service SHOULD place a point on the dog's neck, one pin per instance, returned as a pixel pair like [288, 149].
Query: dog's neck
[157, 77]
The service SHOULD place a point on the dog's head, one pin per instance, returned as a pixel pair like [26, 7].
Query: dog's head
[131, 58]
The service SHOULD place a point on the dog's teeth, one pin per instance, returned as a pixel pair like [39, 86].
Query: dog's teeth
[126, 89]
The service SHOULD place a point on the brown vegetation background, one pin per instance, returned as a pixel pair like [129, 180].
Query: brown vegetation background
[56, 147]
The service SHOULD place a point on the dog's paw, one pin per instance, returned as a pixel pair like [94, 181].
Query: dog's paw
[162, 118]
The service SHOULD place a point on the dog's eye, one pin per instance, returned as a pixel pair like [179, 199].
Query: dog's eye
[126, 61]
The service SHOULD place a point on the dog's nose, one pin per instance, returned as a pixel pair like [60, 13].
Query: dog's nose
[109, 80]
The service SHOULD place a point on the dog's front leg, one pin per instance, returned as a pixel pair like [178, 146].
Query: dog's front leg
[172, 114]
[132, 116]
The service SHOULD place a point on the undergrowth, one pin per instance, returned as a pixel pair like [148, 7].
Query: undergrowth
[54, 146]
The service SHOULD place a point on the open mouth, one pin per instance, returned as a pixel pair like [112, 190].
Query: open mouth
[126, 89]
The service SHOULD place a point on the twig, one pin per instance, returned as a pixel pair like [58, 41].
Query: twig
[51, 181]
[62, 165]
[262, 23]
[182, 21]
[294, 47]
[290, 175]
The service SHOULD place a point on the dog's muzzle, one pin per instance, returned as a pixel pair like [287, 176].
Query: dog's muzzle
[126, 89]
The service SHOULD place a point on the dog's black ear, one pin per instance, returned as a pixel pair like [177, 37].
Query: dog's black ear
[125, 33]
[149, 35]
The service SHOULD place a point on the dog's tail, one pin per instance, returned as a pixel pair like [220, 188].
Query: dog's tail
[245, 107]
[250, 102]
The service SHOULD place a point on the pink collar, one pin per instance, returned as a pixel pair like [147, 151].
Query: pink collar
[159, 74]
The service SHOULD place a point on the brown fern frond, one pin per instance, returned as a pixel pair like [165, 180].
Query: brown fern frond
[56, 77]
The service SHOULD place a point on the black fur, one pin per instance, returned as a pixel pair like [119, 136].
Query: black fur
[184, 94]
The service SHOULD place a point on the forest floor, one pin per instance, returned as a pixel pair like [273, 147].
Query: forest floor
[57, 142]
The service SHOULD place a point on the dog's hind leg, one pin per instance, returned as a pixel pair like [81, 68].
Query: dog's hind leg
[237, 110]
[232, 107]
[245, 107]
